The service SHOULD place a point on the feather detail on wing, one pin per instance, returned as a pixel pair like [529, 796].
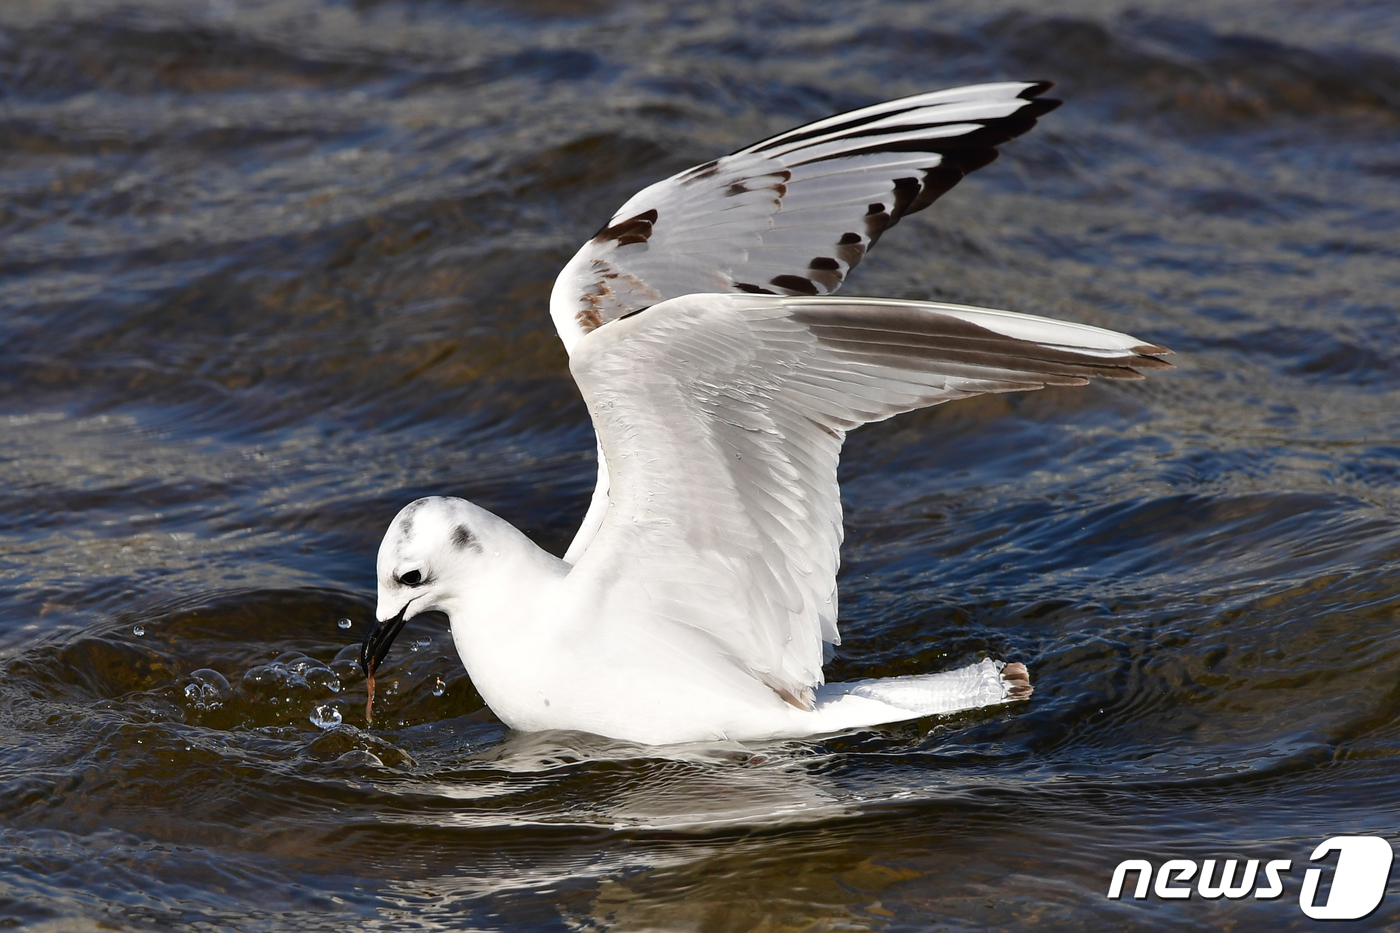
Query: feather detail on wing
[722, 419]
[791, 215]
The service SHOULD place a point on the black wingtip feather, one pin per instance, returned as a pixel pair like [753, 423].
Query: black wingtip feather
[1040, 107]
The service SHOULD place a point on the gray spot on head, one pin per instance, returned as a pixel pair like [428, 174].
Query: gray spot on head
[463, 538]
[406, 517]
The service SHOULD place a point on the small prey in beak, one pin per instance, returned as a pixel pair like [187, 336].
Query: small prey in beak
[372, 652]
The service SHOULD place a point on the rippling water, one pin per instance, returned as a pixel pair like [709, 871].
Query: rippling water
[270, 270]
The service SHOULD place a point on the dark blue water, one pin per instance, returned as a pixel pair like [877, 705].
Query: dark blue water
[270, 270]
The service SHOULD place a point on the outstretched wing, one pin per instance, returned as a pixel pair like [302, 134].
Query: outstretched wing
[722, 419]
[791, 215]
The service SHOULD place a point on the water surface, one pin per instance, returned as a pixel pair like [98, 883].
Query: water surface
[270, 270]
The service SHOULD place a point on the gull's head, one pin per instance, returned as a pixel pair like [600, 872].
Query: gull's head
[428, 556]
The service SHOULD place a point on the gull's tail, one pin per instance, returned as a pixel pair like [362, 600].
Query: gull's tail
[894, 699]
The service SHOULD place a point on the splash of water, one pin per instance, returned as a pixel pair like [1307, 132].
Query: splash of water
[325, 717]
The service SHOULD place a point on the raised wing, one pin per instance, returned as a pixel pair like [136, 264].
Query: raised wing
[791, 215]
[722, 419]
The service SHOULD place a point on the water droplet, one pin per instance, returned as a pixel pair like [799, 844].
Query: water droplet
[192, 691]
[138, 630]
[345, 670]
[211, 683]
[439, 688]
[316, 675]
[344, 623]
[424, 642]
[325, 717]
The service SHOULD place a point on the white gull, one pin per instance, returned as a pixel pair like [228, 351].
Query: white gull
[698, 600]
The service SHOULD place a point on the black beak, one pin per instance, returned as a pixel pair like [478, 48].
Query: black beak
[377, 641]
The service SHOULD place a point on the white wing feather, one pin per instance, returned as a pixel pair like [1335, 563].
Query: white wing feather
[792, 214]
[721, 418]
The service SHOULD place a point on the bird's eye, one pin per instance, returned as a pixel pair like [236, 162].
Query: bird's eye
[412, 578]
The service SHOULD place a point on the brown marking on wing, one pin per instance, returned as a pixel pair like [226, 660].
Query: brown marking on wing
[778, 186]
[632, 230]
[905, 191]
[805, 699]
[826, 271]
[850, 249]
[796, 284]
[1017, 680]
[613, 293]
[590, 312]
[699, 172]
[876, 220]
